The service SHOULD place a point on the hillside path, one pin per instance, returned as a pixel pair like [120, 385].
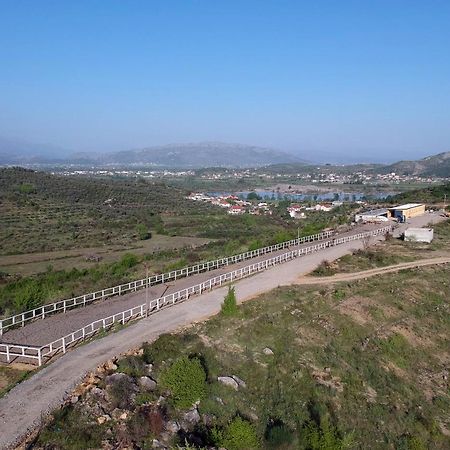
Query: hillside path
[352, 276]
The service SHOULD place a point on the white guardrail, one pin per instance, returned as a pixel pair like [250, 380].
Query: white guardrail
[35, 354]
[82, 300]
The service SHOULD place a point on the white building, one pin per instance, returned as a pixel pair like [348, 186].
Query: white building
[418, 235]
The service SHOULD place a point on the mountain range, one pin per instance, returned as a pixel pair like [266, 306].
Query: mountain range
[189, 156]
[200, 155]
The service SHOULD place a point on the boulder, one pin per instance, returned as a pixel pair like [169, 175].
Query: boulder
[228, 381]
[241, 383]
[147, 384]
[192, 417]
[172, 426]
[119, 414]
[104, 418]
[115, 377]
[267, 351]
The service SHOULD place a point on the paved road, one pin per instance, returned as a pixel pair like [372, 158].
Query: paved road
[22, 408]
[42, 332]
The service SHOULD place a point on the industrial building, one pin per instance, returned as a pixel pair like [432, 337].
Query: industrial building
[404, 212]
[373, 216]
[418, 235]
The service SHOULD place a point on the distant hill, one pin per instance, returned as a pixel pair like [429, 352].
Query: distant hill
[435, 165]
[432, 194]
[197, 155]
[16, 151]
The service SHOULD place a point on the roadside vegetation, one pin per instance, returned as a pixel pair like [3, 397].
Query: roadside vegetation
[361, 365]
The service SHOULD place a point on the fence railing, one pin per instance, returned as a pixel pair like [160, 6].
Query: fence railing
[41, 354]
[82, 300]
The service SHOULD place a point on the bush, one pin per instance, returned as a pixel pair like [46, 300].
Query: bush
[229, 305]
[239, 435]
[143, 232]
[186, 380]
[132, 365]
[279, 436]
[69, 429]
[164, 348]
[129, 260]
[323, 437]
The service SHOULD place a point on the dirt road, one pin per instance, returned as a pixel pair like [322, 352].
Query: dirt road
[371, 272]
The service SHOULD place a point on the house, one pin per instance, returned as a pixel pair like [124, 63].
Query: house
[295, 211]
[236, 210]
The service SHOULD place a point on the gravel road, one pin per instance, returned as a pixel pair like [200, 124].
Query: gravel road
[42, 332]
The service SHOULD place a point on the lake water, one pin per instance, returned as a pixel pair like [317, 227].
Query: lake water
[324, 196]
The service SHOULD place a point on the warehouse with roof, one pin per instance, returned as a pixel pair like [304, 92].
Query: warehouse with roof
[372, 216]
[404, 212]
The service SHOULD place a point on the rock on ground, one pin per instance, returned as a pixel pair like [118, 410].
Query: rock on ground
[228, 381]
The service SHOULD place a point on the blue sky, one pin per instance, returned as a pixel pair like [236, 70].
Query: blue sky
[364, 78]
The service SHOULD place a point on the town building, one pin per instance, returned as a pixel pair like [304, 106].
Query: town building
[404, 212]
[373, 216]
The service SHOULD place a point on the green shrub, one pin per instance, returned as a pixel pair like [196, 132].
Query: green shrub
[129, 260]
[323, 437]
[239, 435]
[132, 365]
[164, 348]
[70, 430]
[279, 436]
[186, 380]
[143, 398]
[143, 232]
[229, 305]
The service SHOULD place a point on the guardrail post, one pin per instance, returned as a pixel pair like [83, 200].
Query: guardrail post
[7, 354]
[64, 344]
[40, 357]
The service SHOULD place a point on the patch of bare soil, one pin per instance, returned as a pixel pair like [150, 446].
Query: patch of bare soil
[325, 378]
[357, 309]
[414, 339]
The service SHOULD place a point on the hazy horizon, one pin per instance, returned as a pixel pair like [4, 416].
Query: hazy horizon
[350, 80]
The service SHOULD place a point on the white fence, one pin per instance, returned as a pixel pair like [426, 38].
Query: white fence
[82, 300]
[40, 354]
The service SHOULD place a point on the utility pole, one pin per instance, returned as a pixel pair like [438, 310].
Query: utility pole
[445, 202]
[298, 235]
[146, 290]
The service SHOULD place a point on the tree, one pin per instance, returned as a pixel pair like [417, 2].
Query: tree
[229, 305]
